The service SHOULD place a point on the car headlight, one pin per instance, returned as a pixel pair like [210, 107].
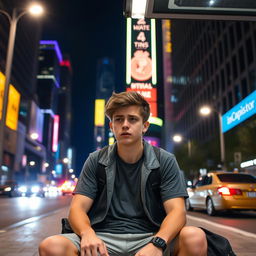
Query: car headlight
[35, 189]
[7, 189]
[23, 189]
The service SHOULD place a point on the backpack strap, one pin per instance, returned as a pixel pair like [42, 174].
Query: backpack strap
[100, 171]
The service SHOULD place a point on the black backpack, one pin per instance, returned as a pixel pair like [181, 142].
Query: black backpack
[217, 244]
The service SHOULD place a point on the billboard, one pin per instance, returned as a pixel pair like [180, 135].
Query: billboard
[141, 67]
[99, 113]
[55, 137]
[2, 82]
[13, 105]
[239, 113]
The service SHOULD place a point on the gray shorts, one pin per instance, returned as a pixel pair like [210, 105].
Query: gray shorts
[120, 244]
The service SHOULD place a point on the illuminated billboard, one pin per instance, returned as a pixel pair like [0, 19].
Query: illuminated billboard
[55, 136]
[239, 113]
[99, 112]
[12, 114]
[141, 60]
[2, 82]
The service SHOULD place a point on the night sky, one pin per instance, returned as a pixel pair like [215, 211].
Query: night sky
[87, 31]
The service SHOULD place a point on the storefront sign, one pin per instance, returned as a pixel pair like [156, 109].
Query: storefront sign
[239, 113]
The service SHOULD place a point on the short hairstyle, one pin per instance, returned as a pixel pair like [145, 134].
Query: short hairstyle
[126, 99]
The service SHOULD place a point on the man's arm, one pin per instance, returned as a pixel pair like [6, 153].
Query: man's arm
[80, 223]
[174, 221]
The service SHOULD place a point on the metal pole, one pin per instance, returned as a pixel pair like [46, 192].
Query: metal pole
[222, 142]
[8, 69]
[189, 148]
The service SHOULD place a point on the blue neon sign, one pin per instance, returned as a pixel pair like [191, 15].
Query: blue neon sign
[239, 113]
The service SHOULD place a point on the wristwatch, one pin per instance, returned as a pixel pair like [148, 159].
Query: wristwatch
[159, 242]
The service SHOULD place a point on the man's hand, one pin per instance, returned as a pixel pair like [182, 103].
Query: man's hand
[150, 250]
[91, 245]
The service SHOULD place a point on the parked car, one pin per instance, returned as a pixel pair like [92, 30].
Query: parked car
[218, 191]
[32, 189]
[10, 188]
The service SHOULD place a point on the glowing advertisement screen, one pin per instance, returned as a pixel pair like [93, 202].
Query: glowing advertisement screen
[13, 108]
[2, 82]
[239, 113]
[99, 114]
[55, 136]
[141, 59]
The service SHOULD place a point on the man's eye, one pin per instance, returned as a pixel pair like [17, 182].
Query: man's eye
[133, 119]
[118, 119]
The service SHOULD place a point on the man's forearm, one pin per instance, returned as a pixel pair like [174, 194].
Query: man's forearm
[171, 225]
[80, 222]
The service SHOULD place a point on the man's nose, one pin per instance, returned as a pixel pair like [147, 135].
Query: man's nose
[126, 123]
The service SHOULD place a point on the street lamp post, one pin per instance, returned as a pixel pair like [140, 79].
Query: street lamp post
[13, 20]
[205, 111]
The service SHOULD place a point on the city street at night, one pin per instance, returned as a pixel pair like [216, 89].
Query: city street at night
[125, 108]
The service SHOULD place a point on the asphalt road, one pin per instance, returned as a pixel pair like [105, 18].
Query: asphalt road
[245, 221]
[17, 209]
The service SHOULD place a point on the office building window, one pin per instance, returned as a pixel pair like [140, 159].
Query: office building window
[244, 88]
[230, 99]
[238, 31]
[241, 59]
[238, 96]
[249, 50]
[252, 80]
[232, 37]
[234, 66]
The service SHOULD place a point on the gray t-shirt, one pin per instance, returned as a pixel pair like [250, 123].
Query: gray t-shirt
[126, 214]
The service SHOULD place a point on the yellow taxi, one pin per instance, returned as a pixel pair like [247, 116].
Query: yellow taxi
[218, 191]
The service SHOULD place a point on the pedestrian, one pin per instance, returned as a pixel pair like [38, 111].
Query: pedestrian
[126, 211]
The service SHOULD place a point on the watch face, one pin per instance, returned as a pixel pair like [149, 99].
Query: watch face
[159, 242]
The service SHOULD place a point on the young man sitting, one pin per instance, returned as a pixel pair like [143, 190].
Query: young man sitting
[129, 211]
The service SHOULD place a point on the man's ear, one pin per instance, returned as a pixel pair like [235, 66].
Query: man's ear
[145, 127]
[110, 126]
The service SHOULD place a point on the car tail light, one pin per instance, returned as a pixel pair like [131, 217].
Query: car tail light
[225, 191]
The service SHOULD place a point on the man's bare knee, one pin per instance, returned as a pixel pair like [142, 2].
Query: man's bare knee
[192, 241]
[57, 246]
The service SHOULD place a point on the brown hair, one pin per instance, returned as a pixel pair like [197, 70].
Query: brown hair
[126, 99]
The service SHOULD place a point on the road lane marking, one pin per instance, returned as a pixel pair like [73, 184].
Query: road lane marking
[236, 230]
[29, 220]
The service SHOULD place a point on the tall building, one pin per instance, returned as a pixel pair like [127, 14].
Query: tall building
[105, 85]
[214, 64]
[54, 96]
[22, 92]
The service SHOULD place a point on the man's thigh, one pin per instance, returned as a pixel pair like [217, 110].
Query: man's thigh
[120, 244]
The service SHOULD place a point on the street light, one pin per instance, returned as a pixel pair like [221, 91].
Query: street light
[179, 138]
[205, 111]
[36, 10]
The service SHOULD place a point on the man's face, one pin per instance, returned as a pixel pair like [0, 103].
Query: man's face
[127, 125]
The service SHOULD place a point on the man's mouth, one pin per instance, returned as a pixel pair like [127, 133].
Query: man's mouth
[125, 134]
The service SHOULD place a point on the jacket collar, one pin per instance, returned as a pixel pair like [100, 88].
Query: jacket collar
[150, 159]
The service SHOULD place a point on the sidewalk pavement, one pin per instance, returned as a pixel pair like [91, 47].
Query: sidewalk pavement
[23, 238]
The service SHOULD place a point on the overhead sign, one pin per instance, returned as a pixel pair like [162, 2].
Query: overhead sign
[194, 9]
[12, 114]
[99, 114]
[2, 82]
[239, 113]
[141, 60]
